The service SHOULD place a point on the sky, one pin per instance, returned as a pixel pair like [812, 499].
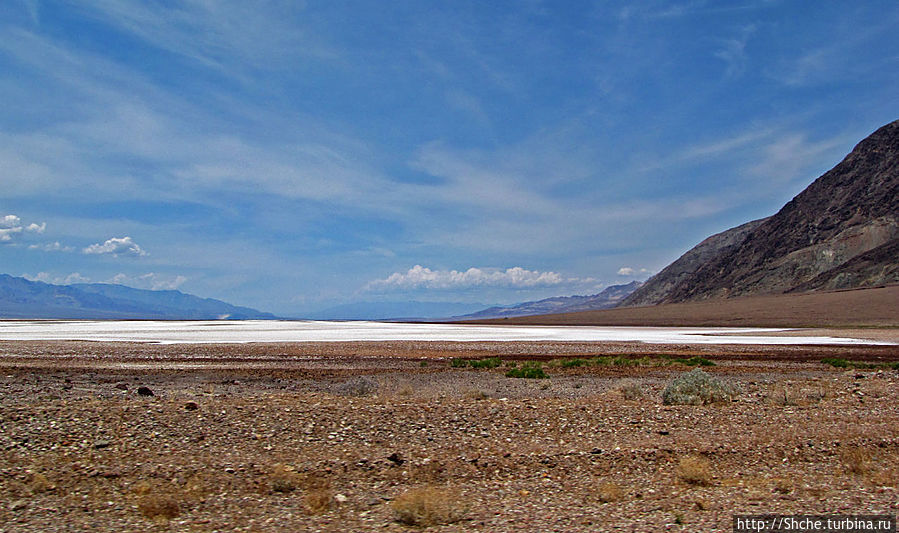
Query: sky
[292, 156]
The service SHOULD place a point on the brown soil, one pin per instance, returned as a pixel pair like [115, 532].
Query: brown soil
[378, 436]
[877, 307]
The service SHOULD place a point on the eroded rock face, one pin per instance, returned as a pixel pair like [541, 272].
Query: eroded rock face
[840, 232]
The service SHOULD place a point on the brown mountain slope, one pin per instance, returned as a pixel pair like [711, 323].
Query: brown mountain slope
[867, 308]
[657, 289]
[849, 212]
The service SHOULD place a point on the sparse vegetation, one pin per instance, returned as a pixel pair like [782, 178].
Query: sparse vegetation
[856, 460]
[694, 470]
[630, 389]
[359, 386]
[609, 492]
[490, 362]
[837, 362]
[157, 504]
[626, 361]
[284, 479]
[428, 506]
[529, 370]
[697, 388]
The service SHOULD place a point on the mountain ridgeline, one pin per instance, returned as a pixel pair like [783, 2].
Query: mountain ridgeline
[21, 298]
[841, 232]
[608, 298]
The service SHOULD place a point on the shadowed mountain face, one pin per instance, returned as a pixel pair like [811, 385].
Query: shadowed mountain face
[841, 232]
[606, 299]
[20, 298]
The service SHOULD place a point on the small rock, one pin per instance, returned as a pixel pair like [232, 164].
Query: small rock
[191, 406]
[121, 386]
[340, 498]
[100, 444]
[374, 501]
[664, 432]
[144, 391]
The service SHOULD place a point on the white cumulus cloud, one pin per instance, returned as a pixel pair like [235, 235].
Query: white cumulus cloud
[116, 246]
[628, 271]
[419, 277]
[11, 226]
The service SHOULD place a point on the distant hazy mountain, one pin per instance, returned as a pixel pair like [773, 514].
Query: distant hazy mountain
[394, 311]
[606, 299]
[841, 232]
[21, 298]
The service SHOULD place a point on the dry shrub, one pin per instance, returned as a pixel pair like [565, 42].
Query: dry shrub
[156, 504]
[856, 460]
[318, 497]
[476, 394]
[40, 484]
[609, 492]
[694, 470]
[358, 386]
[284, 479]
[630, 389]
[783, 485]
[428, 506]
[697, 388]
[318, 501]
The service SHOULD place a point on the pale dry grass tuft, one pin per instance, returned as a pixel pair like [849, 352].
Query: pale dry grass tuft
[40, 484]
[694, 470]
[284, 479]
[428, 506]
[157, 504]
[318, 497]
[609, 492]
[629, 389]
[856, 460]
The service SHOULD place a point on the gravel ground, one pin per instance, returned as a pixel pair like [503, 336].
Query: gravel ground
[356, 437]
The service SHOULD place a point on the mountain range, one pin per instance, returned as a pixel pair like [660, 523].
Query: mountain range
[841, 232]
[608, 298]
[21, 298]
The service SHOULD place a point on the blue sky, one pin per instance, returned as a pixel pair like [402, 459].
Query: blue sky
[294, 155]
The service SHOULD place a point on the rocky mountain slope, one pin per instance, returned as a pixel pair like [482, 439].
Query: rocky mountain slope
[21, 298]
[608, 298]
[841, 232]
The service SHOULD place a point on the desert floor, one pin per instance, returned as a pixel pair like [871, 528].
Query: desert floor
[361, 436]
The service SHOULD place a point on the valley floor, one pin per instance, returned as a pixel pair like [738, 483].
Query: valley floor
[355, 436]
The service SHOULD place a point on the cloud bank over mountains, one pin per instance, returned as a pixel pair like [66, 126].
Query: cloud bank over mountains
[419, 277]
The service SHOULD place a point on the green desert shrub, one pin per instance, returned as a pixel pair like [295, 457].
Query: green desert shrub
[458, 363]
[697, 388]
[529, 370]
[490, 362]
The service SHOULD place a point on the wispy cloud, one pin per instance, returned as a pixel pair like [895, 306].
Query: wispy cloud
[116, 246]
[261, 34]
[733, 51]
[51, 247]
[150, 280]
